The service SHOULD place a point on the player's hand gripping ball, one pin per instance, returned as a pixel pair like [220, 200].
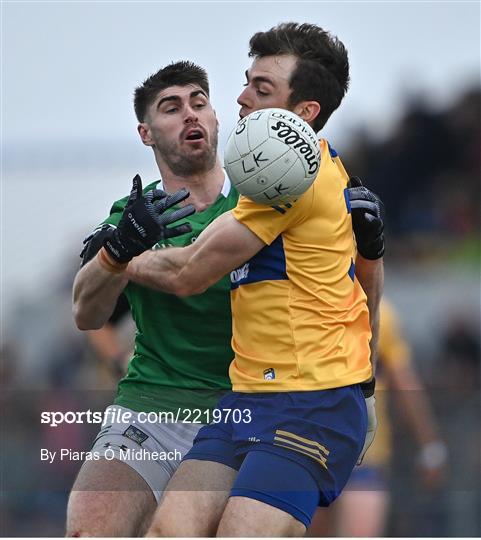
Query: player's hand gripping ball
[272, 156]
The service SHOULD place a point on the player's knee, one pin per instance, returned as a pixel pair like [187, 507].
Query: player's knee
[74, 529]
[77, 530]
[154, 531]
[181, 530]
[164, 530]
[85, 517]
[172, 523]
[161, 528]
[77, 534]
[162, 524]
[80, 531]
[91, 531]
[245, 517]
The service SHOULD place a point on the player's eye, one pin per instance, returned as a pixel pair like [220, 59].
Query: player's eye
[261, 93]
[171, 109]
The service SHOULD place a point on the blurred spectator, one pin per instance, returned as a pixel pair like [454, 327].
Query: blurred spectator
[427, 173]
[460, 362]
[457, 388]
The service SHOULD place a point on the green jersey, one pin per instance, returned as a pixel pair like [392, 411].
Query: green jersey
[182, 345]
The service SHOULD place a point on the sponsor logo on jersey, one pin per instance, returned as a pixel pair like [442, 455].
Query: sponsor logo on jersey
[240, 273]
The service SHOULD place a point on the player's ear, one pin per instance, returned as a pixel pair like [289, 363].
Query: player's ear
[144, 132]
[308, 110]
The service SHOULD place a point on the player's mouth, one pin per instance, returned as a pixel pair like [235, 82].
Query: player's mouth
[194, 135]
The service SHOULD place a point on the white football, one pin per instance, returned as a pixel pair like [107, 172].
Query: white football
[272, 156]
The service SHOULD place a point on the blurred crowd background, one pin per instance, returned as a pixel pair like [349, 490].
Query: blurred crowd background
[427, 171]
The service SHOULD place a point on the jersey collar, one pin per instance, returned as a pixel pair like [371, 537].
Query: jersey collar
[224, 191]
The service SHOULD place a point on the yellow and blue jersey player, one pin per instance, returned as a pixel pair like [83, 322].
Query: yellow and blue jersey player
[301, 333]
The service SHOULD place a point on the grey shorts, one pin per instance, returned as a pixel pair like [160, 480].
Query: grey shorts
[152, 448]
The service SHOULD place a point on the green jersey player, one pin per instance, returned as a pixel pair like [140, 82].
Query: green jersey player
[182, 345]
[182, 366]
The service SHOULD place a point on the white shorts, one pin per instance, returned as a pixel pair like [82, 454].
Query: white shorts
[152, 448]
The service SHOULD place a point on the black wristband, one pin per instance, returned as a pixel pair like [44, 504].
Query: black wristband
[368, 388]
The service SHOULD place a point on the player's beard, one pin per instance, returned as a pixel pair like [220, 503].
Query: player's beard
[183, 164]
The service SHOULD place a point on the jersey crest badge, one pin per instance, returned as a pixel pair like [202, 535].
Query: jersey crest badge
[269, 374]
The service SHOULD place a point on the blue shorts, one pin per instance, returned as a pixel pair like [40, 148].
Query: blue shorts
[296, 452]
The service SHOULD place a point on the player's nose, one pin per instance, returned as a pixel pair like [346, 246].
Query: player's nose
[190, 115]
[244, 100]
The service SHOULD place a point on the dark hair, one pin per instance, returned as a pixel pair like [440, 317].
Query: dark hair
[176, 74]
[322, 70]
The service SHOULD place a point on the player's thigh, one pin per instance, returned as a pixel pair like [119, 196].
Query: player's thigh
[277, 494]
[362, 513]
[245, 517]
[109, 498]
[194, 500]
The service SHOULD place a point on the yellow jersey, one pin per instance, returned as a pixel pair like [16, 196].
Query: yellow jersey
[300, 318]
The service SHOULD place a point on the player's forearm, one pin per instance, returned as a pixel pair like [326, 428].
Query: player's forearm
[95, 294]
[164, 270]
[371, 277]
[221, 247]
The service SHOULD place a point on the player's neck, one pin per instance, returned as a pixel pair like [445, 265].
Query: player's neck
[204, 188]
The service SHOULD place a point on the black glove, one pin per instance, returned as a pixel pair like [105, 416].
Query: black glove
[94, 242]
[144, 223]
[367, 212]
